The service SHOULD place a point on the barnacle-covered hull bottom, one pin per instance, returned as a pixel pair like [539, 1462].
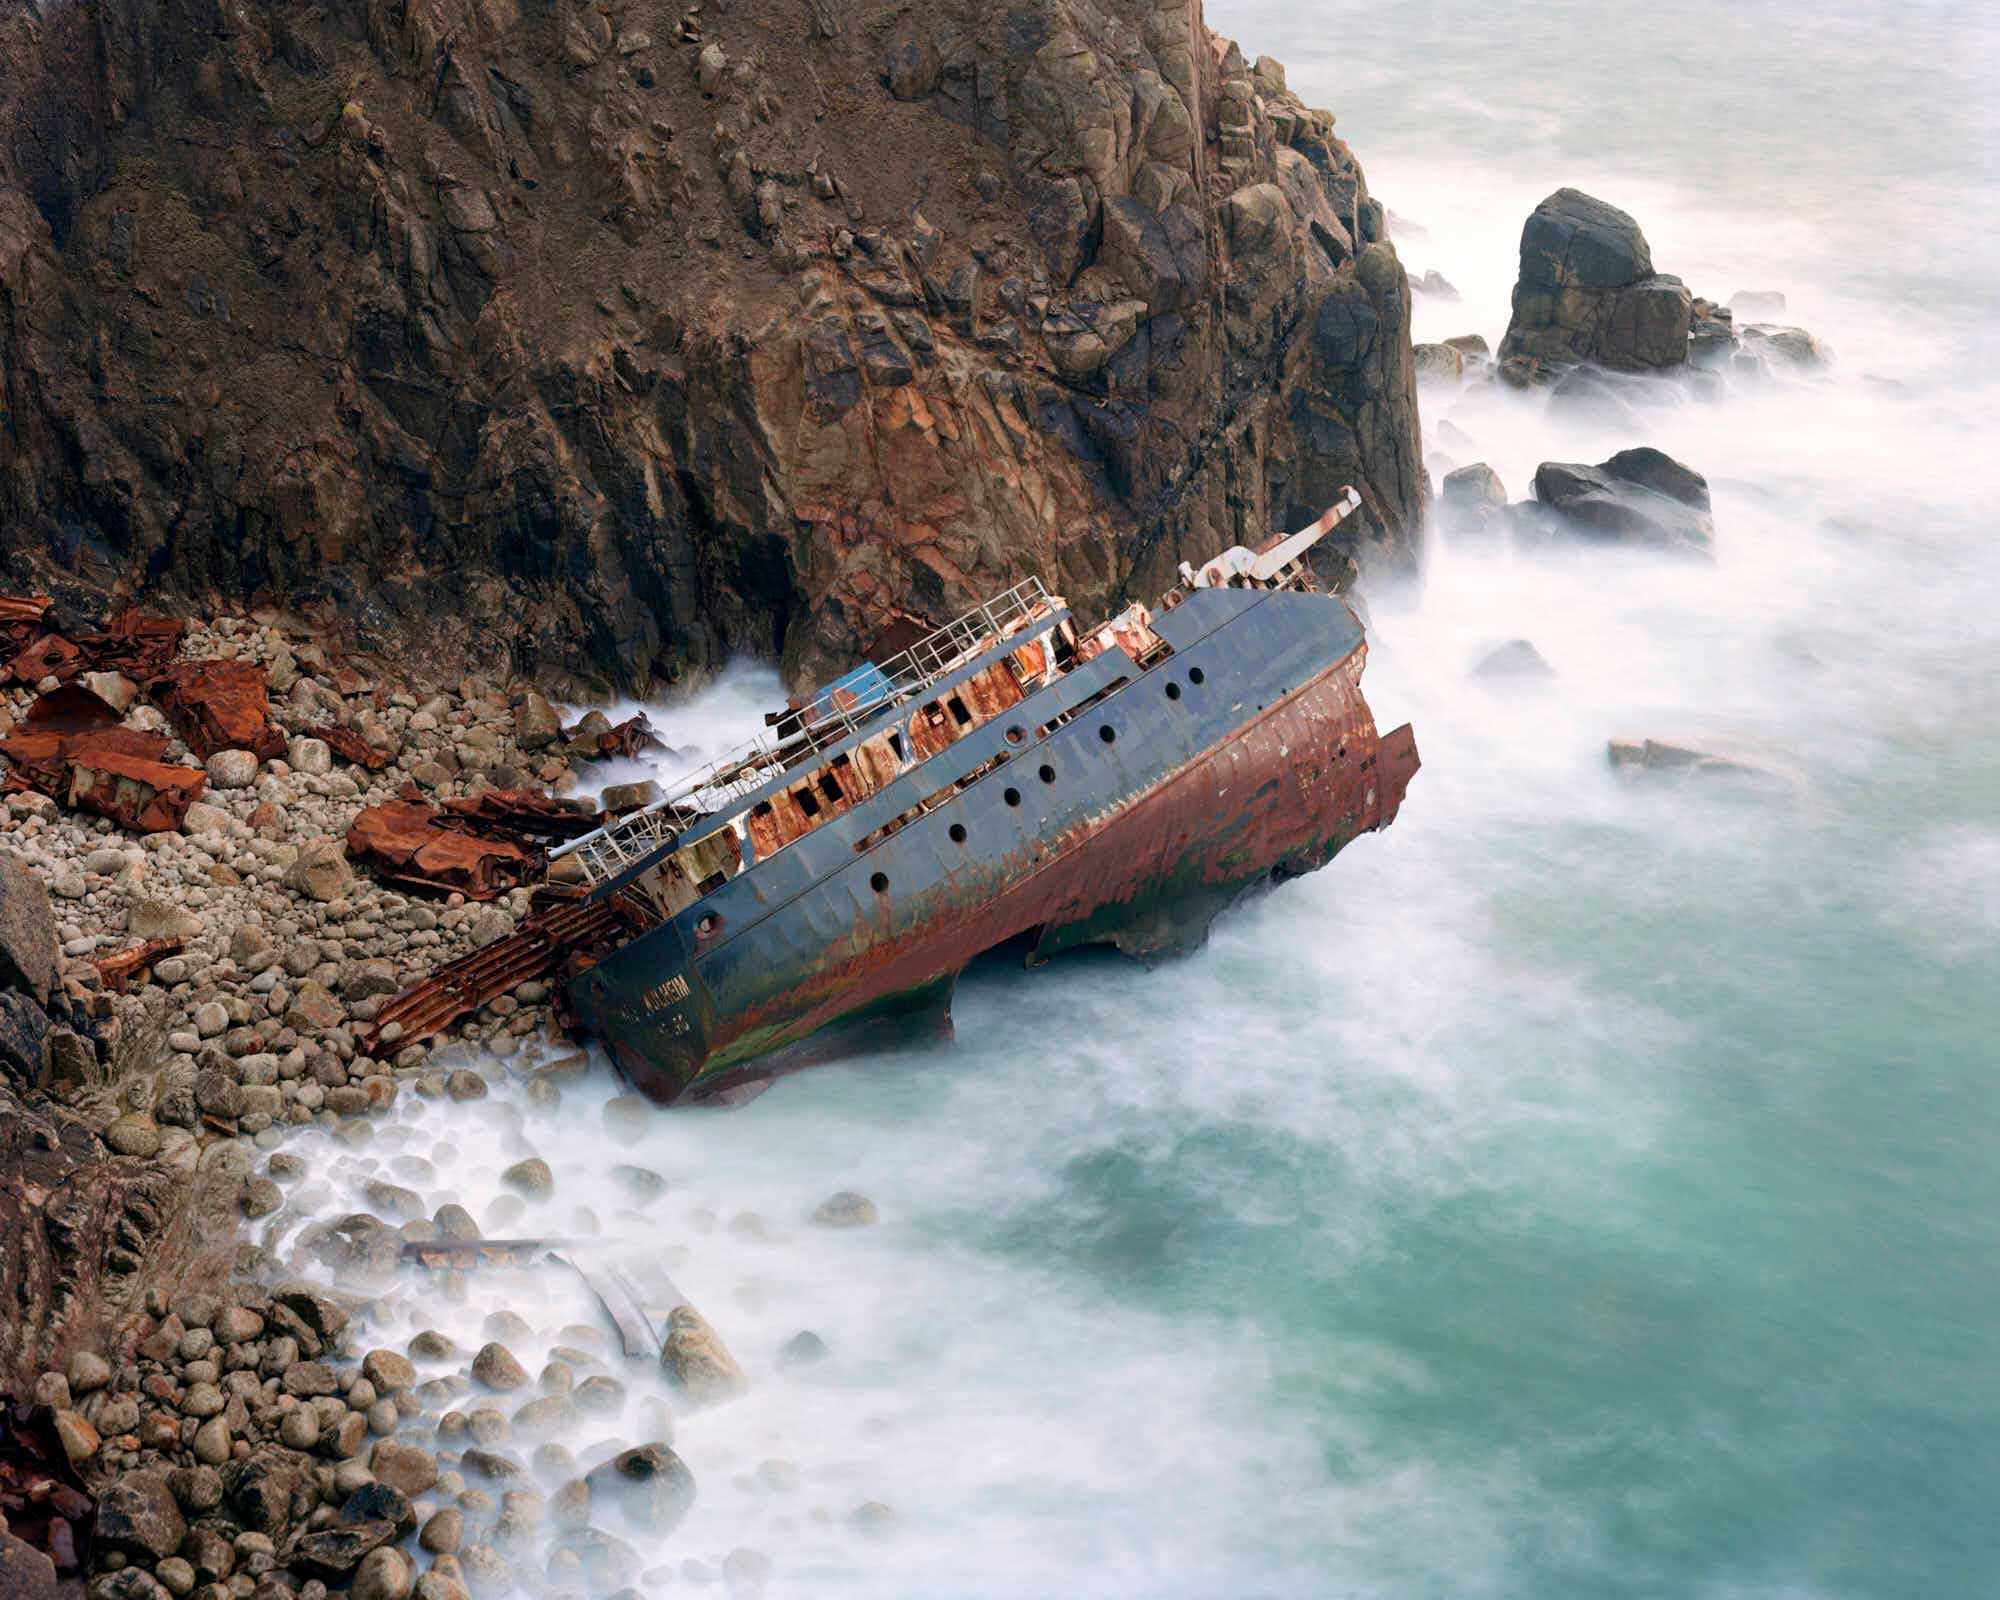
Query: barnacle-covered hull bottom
[1246, 755]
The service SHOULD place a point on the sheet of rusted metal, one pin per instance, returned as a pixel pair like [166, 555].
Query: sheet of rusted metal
[115, 772]
[49, 656]
[150, 796]
[134, 643]
[42, 1499]
[529, 815]
[535, 949]
[21, 621]
[350, 746]
[412, 844]
[219, 705]
[115, 971]
[71, 708]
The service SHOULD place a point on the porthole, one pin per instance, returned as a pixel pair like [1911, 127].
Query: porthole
[1012, 797]
[957, 831]
[1016, 735]
[879, 883]
[1173, 690]
[1108, 734]
[1047, 774]
[1194, 675]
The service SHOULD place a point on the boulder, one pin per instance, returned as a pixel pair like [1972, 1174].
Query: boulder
[137, 1517]
[25, 1572]
[1440, 361]
[1683, 758]
[1517, 658]
[232, 769]
[334, 1552]
[496, 1367]
[650, 1485]
[147, 918]
[1642, 497]
[1471, 499]
[27, 931]
[846, 1209]
[1784, 347]
[696, 1360]
[321, 871]
[1587, 291]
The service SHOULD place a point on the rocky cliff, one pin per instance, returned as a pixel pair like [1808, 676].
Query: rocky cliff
[614, 336]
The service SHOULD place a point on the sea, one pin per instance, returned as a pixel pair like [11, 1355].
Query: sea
[1587, 1187]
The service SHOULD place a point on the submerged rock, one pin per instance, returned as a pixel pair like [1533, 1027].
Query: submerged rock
[1659, 756]
[1517, 658]
[1640, 497]
[697, 1362]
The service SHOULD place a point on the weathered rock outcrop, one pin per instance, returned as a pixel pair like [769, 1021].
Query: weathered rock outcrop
[1587, 291]
[1641, 497]
[617, 336]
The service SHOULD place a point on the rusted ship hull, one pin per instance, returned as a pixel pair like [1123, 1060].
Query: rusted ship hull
[1129, 810]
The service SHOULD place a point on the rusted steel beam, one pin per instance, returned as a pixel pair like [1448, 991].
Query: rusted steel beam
[350, 746]
[115, 971]
[536, 949]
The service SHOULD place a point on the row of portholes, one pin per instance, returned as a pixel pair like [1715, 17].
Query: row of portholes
[879, 882]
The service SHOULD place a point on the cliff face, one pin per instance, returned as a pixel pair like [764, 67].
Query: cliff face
[616, 336]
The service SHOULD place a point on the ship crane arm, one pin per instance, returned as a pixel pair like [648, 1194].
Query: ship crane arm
[1261, 566]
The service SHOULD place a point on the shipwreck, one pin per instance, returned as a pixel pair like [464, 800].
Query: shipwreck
[1010, 776]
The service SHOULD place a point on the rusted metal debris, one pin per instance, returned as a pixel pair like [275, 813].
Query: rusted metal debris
[350, 746]
[410, 843]
[116, 971]
[538, 948]
[113, 771]
[628, 738]
[134, 643]
[21, 619]
[219, 705]
[71, 708]
[42, 1500]
[527, 815]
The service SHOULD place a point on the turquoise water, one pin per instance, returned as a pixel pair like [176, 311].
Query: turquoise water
[1585, 1188]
